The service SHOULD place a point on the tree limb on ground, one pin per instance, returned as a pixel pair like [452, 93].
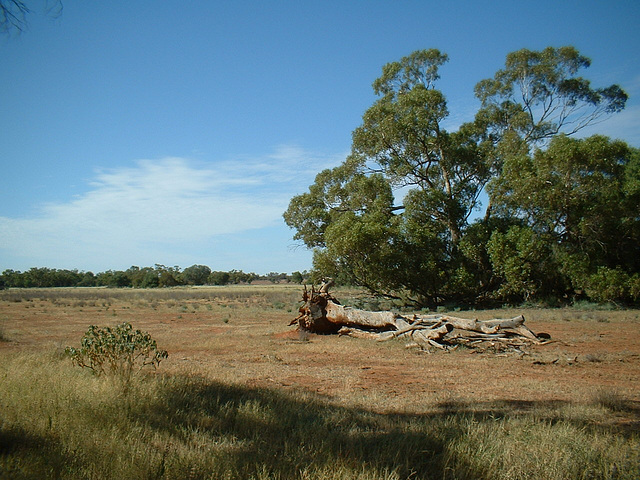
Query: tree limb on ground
[322, 313]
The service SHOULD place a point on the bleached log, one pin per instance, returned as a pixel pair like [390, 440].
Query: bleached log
[431, 336]
[484, 326]
[349, 317]
[321, 313]
[435, 332]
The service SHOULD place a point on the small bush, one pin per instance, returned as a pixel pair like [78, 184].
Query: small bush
[611, 285]
[120, 351]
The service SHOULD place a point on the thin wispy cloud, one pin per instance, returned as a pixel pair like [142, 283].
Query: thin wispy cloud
[129, 215]
[623, 125]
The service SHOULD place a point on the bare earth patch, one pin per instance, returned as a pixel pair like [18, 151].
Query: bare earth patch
[244, 338]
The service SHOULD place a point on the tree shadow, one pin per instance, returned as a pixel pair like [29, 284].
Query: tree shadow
[287, 432]
[24, 455]
[256, 430]
[624, 414]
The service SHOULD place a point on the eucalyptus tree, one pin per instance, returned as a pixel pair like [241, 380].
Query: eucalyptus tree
[402, 138]
[539, 95]
[351, 214]
[568, 202]
[195, 275]
[578, 202]
[395, 216]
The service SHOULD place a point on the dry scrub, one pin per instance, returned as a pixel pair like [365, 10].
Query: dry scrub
[244, 396]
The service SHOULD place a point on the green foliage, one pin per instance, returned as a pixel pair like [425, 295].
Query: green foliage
[538, 95]
[112, 278]
[394, 217]
[402, 137]
[219, 278]
[134, 276]
[196, 275]
[149, 280]
[524, 260]
[42, 278]
[119, 351]
[612, 285]
[168, 279]
[580, 199]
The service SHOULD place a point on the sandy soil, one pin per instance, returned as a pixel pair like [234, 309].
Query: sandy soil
[592, 353]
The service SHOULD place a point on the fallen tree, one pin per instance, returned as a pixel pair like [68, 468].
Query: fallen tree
[322, 313]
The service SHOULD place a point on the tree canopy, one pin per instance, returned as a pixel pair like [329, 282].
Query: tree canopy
[539, 95]
[14, 13]
[396, 216]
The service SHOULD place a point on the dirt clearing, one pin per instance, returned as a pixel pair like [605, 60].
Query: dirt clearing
[240, 335]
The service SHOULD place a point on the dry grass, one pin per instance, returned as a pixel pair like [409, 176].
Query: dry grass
[244, 396]
[60, 422]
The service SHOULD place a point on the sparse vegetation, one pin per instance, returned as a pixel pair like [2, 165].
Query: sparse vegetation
[136, 277]
[251, 398]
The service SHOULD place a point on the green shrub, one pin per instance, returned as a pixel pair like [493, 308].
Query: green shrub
[120, 351]
[609, 285]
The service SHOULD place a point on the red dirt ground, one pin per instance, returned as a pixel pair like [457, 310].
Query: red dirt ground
[592, 353]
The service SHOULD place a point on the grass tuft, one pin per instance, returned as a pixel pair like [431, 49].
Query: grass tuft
[611, 400]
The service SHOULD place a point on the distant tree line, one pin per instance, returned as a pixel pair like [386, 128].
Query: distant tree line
[137, 277]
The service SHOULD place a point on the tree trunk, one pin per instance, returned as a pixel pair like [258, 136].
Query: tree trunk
[321, 313]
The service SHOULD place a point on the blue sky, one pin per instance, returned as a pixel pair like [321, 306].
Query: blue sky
[173, 132]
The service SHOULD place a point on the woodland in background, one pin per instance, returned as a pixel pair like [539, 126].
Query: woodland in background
[562, 217]
[136, 277]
